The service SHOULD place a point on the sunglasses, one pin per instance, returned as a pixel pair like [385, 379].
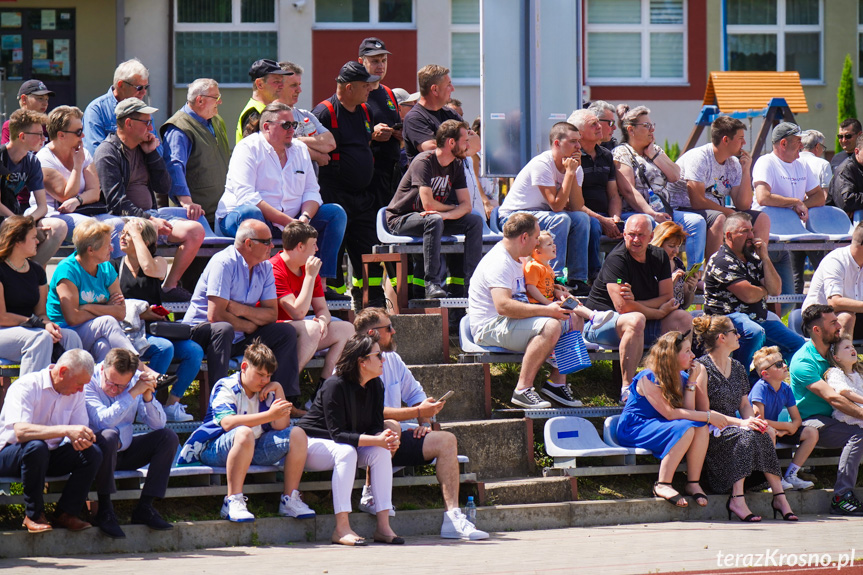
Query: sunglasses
[138, 88]
[388, 327]
[734, 331]
[289, 125]
[779, 364]
[374, 354]
[611, 123]
[265, 241]
[847, 136]
[79, 132]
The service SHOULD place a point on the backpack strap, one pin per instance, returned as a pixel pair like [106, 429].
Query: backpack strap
[334, 125]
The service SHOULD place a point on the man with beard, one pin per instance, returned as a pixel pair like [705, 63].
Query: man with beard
[406, 401]
[738, 279]
[816, 400]
[433, 199]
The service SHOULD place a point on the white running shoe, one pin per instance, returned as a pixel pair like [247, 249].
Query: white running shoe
[600, 318]
[177, 412]
[234, 509]
[797, 483]
[456, 526]
[786, 486]
[293, 506]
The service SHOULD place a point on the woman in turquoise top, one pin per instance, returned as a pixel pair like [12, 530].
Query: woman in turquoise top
[660, 416]
[84, 293]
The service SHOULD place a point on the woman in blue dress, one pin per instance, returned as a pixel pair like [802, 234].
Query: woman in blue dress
[660, 416]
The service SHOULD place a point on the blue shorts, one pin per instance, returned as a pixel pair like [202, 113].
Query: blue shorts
[270, 448]
[606, 335]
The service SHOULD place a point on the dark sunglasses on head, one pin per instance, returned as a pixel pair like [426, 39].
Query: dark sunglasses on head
[79, 132]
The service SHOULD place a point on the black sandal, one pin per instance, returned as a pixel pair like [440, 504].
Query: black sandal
[776, 511]
[751, 518]
[673, 499]
[699, 497]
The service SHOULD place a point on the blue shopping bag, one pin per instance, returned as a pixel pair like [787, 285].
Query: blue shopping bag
[570, 353]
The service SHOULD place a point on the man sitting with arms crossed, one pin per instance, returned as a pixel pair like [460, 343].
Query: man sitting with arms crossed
[115, 396]
[433, 199]
[249, 423]
[500, 314]
[635, 282]
[816, 400]
[419, 445]
[43, 431]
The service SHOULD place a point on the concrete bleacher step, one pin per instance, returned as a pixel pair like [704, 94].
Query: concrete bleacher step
[471, 383]
[497, 449]
[420, 338]
[527, 490]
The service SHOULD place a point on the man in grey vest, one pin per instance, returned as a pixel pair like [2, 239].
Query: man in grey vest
[196, 151]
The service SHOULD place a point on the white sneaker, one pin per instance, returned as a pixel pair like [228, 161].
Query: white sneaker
[796, 483]
[293, 506]
[786, 486]
[600, 318]
[367, 505]
[234, 509]
[456, 526]
[177, 412]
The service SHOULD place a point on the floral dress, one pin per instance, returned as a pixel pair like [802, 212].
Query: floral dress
[735, 452]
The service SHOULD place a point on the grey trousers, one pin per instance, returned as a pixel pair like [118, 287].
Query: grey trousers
[32, 346]
[102, 334]
[835, 434]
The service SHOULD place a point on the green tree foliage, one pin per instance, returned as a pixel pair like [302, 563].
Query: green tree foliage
[845, 97]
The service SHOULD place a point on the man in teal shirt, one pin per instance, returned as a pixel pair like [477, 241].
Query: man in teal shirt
[816, 401]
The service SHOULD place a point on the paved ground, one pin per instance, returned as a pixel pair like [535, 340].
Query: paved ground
[691, 547]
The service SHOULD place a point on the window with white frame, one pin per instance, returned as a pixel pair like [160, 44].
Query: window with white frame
[636, 41]
[465, 41]
[363, 13]
[775, 35]
[219, 39]
[860, 40]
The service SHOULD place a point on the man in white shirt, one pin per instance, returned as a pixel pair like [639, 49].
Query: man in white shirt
[781, 180]
[838, 282]
[43, 431]
[549, 187]
[271, 179]
[812, 155]
[406, 401]
[114, 397]
[501, 316]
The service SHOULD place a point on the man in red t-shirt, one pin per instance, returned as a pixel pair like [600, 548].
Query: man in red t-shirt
[298, 288]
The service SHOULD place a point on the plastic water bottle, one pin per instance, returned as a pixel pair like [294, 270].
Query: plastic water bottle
[307, 125]
[470, 510]
[656, 203]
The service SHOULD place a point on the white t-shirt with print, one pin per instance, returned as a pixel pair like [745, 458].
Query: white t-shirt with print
[791, 180]
[700, 165]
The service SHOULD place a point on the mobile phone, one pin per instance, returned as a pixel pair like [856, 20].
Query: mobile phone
[569, 303]
[621, 225]
[159, 310]
[693, 271]
[397, 126]
[446, 396]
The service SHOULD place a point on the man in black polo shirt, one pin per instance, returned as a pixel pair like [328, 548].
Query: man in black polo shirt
[599, 187]
[346, 178]
[635, 282]
[386, 142]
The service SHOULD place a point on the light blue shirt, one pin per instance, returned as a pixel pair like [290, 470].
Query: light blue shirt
[177, 147]
[400, 386]
[119, 412]
[90, 289]
[100, 120]
[227, 276]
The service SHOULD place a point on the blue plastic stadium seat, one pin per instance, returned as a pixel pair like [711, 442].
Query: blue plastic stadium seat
[832, 221]
[210, 236]
[494, 222]
[785, 226]
[795, 322]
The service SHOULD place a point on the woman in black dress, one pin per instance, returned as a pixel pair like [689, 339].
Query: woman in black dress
[346, 427]
[743, 447]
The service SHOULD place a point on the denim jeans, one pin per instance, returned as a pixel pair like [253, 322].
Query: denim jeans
[162, 352]
[270, 447]
[330, 221]
[593, 248]
[755, 335]
[73, 219]
[571, 231]
[432, 228]
[694, 225]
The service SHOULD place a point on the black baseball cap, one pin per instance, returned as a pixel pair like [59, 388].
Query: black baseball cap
[261, 68]
[355, 72]
[373, 47]
[34, 88]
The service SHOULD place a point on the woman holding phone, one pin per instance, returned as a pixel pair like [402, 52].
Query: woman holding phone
[671, 238]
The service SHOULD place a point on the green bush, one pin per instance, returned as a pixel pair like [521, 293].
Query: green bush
[846, 104]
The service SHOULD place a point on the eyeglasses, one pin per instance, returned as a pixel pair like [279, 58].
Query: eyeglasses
[143, 88]
[647, 125]
[388, 327]
[733, 330]
[34, 134]
[611, 123]
[148, 122]
[116, 386]
[374, 354]
[289, 125]
[79, 132]
[847, 136]
[265, 241]
[216, 98]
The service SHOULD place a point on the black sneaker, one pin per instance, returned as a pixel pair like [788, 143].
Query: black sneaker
[560, 394]
[434, 291]
[147, 515]
[529, 399]
[846, 505]
[578, 288]
[332, 295]
[176, 294]
[108, 524]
